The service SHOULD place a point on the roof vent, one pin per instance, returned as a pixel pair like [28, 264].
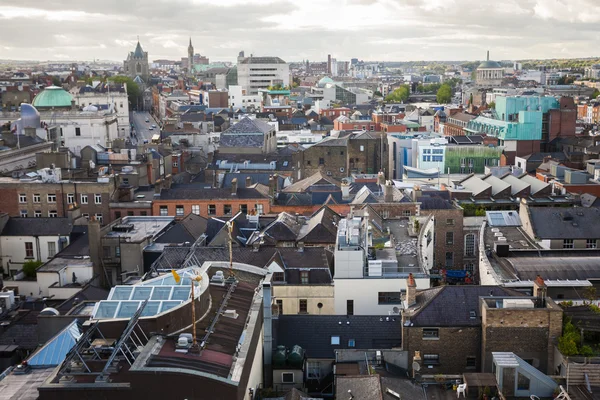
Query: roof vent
[230, 314]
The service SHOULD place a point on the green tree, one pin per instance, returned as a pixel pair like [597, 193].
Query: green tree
[378, 93]
[568, 343]
[595, 94]
[56, 81]
[493, 105]
[399, 95]
[444, 94]
[471, 98]
[29, 268]
[133, 90]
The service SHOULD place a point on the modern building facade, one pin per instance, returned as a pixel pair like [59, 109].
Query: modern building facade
[256, 73]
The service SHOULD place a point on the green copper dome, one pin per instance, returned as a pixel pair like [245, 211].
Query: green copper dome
[52, 96]
[489, 64]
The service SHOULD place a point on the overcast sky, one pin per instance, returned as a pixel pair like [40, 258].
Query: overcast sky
[387, 30]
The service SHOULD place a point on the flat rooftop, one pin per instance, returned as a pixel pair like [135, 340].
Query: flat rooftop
[23, 387]
[405, 246]
[135, 229]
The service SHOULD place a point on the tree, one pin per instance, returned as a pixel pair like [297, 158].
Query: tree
[56, 81]
[595, 94]
[133, 90]
[377, 93]
[471, 99]
[399, 95]
[493, 105]
[29, 268]
[568, 343]
[444, 94]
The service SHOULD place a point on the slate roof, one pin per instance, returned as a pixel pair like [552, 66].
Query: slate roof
[248, 125]
[305, 184]
[452, 305]
[257, 177]
[88, 292]
[565, 267]
[565, 223]
[313, 333]
[315, 259]
[22, 331]
[37, 227]
[187, 230]
[209, 194]
[321, 227]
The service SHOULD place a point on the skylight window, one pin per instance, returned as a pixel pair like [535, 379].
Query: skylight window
[335, 340]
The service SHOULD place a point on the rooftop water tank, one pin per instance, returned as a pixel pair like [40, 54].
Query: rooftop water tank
[296, 357]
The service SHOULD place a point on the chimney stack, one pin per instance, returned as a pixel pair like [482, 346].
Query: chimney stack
[345, 190]
[388, 192]
[540, 290]
[234, 186]
[411, 291]
[248, 181]
[381, 178]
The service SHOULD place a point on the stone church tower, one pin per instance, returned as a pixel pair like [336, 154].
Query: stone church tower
[137, 64]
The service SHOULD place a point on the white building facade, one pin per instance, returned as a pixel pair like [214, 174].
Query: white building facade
[256, 73]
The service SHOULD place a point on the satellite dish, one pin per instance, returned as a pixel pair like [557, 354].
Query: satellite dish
[416, 366]
[396, 310]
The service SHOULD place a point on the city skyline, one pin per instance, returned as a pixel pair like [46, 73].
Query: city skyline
[382, 30]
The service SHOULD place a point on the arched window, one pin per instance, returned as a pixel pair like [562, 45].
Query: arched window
[470, 245]
[138, 68]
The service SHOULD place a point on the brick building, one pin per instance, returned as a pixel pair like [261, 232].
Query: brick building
[39, 196]
[212, 202]
[454, 329]
[338, 157]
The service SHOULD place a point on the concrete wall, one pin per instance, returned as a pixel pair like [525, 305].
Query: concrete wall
[365, 293]
[313, 294]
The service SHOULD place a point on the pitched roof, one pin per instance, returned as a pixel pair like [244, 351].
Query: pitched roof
[452, 305]
[321, 227]
[561, 223]
[209, 194]
[248, 125]
[316, 179]
[37, 227]
[314, 333]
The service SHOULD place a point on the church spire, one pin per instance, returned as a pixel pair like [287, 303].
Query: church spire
[488, 55]
[190, 41]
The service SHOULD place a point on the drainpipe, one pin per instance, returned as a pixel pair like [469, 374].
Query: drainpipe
[267, 330]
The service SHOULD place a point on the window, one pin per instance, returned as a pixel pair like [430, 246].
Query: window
[179, 210]
[23, 213]
[125, 181]
[349, 307]
[304, 277]
[259, 209]
[470, 268]
[342, 153]
[37, 214]
[85, 215]
[362, 148]
[449, 221]
[98, 198]
[431, 359]
[84, 199]
[70, 198]
[449, 237]
[28, 249]
[307, 162]
[321, 161]
[118, 251]
[279, 306]
[22, 198]
[426, 151]
[37, 198]
[471, 362]
[175, 164]
[212, 209]
[117, 214]
[568, 244]
[470, 245]
[130, 213]
[390, 298]
[227, 209]
[77, 131]
[164, 211]
[406, 213]
[522, 382]
[335, 340]
[449, 259]
[52, 214]
[351, 343]
[303, 309]
[196, 209]
[287, 377]
[51, 198]
[431, 333]
[143, 213]
[426, 158]
[51, 249]
[244, 208]
[591, 244]
[98, 217]
[278, 277]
